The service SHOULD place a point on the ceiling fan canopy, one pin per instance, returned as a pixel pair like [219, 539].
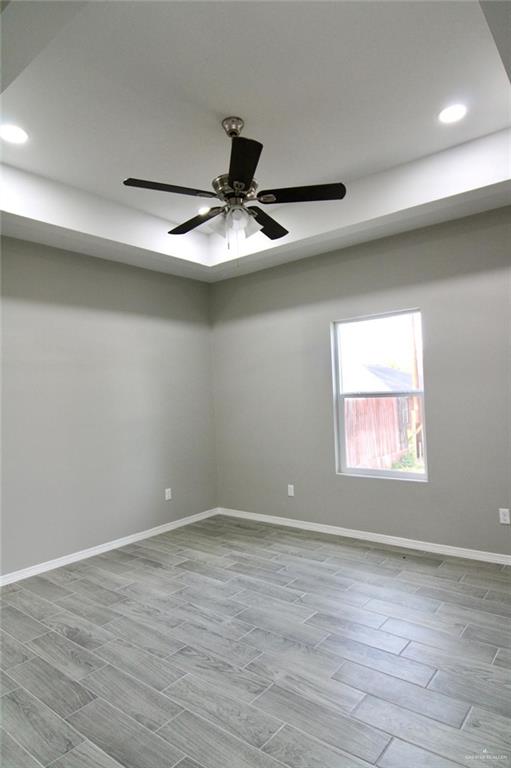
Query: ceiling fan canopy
[238, 187]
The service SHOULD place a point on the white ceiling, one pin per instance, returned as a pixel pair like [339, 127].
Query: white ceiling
[334, 90]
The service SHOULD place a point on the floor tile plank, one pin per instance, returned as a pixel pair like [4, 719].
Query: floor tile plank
[122, 738]
[450, 743]
[43, 734]
[422, 700]
[324, 723]
[141, 702]
[209, 702]
[48, 684]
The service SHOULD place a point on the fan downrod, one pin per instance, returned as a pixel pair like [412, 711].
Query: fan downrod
[233, 126]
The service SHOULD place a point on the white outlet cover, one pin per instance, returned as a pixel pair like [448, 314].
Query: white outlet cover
[168, 494]
[290, 490]
[504, 516]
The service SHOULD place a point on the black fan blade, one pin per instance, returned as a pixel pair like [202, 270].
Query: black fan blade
[186, 226]
[270, 227]
[167, 188]
[245, 155]
[303, 194]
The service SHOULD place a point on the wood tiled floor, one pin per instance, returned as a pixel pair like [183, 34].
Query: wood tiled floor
[231, 644]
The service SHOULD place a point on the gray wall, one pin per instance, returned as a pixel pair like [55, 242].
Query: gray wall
[273, 390]
[107, 392]
[106, 401]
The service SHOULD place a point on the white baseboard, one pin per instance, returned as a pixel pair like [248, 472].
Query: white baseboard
[380, 538]
[335, 530]
[49, 565]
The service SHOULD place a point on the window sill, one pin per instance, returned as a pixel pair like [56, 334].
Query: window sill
[384, 476]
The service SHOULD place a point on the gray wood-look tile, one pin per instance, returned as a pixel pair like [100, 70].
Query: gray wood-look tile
[212, 747]
[297, 750]
[14, 756]
[201, 597]
[45, 588]
[81, 631]
[280, 624]
[400, 754]
[324, 723]
[347, 605]
[96, 592]
[122, 738]
[293, 655]
[86, 755]
[31, 604]
[63, 576]
[210, 702]
[236, 651]
[107, 579]
[136, 699]
[37, 728]
[242, 684]
[495, 726]
[146, 667]
[73, 660]
[163, 599]
[51, 686]
[422, 700]
[211, 571]
[186, 762]
[360, 653]
[19, 624]
[491, 635]
[321, 689]
[272, 577]
[146, 635]
[287, 610]
[254, 626]
[377, 638]
[243, 583]
[503, 658]
[463, 646]
[87, 609]
[473, 616]
[7, 683]
[401, 597]
[232, 628]
[497, 698]
[210, 586]
[12, 651]
[451, 626]
[451, 743]
[479, 604]
[9, 589]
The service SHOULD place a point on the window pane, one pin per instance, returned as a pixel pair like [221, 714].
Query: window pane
[383, 354]
[385, 433]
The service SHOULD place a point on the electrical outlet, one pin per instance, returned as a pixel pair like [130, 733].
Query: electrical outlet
[168, 494]
[290, 490]
[504, 517]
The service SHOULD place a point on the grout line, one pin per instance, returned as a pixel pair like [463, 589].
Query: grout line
[471, 707]
[271, 737]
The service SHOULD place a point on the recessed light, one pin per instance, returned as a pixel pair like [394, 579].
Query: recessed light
[453, 113]
[13, 134]
[203, 210]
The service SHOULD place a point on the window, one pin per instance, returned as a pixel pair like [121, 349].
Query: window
[379, 396]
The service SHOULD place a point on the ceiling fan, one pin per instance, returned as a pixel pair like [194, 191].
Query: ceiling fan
[238, 187]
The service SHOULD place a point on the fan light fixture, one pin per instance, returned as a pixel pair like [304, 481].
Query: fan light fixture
[13, 134]
[453, 113]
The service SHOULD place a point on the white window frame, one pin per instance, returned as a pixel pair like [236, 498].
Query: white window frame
[341, 467]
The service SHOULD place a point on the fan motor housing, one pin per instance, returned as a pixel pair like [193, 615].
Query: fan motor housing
[225, 192]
